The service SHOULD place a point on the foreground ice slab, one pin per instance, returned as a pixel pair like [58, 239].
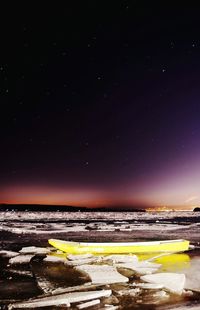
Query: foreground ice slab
[8, 254]
[193, 275]
[37, 304]
[76, 288]
[173, 282]
[89, 304]
[102, 274]
[34, 250]
[79, 262]
[63, 299]
[21, 259]
[140, 268]
[54, 259]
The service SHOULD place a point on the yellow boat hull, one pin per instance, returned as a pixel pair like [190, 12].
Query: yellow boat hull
[167, 246]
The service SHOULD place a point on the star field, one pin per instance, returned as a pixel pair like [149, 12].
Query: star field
[104, 105]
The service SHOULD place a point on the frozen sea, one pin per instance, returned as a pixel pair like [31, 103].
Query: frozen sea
[22, 229]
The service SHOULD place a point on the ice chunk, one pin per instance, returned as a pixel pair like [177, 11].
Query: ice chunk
[75, 288]
[193, 275]
[34, 250]
[54, 259]
[21, 259]
[41, 303]
[102, 274]
[79, 262]
[83, 296]
[8, 254]
[88, 304]
[173, 282]
[140, 268]
[63, 299]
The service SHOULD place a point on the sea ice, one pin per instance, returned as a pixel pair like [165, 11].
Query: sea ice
[173, 282]
[102, 274]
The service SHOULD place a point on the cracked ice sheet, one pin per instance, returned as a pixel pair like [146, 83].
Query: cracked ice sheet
[193, 275]
[141, 268]
[173, 282]
[34, 250]
[102, 274]
[54, 259]
[89, 304]
[63, 299]
[21, 259]
[84, 261]
[8, 254]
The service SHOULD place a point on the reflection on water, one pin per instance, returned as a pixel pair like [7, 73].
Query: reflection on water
[171, 262]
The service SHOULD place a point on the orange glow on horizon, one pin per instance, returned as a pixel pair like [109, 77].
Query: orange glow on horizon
[55, 196]
[84, 198]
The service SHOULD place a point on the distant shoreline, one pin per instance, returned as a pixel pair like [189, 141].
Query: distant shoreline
[62, 208]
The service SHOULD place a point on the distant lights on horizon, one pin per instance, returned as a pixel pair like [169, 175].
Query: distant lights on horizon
[170, 209]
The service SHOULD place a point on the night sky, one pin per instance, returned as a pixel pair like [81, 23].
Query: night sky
[100, 105]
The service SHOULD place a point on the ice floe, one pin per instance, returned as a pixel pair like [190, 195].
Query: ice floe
[21, 259]
[63, 299]
[173, 282]
[34, 250]
[88, 304]
[8, 254]
[102, 274]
